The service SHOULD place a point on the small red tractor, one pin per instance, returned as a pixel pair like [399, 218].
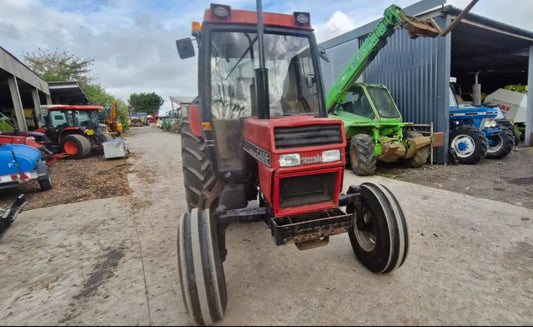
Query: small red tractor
[257, 145]
[75, 130]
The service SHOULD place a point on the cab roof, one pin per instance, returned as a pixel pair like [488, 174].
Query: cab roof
[73, 107]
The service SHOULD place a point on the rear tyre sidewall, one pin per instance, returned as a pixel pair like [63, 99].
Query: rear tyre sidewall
[82, 145]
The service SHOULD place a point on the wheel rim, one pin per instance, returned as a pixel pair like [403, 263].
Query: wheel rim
[464, 146]
[496, 144]
[364, 231]
[70, 147]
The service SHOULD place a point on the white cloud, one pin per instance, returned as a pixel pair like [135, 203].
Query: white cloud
[338, 23]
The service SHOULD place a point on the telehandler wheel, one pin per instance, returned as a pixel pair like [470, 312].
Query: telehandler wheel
[379, 237]
[76, 146]
[500, 145]
[197, 172]
[421, 156]
[362, 155]
[201, 272]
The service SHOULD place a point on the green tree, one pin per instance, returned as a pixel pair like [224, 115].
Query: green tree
[63, 66]
[59, 66]
[98, 95]
[145, 102]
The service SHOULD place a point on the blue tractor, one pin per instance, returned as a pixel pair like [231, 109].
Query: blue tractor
[475, 133]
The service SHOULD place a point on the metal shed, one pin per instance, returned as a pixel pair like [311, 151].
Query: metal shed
[417, 72]
[22, 89]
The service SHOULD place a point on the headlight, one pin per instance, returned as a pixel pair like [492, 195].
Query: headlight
[488, 123]
[331, 155]
[289, 160]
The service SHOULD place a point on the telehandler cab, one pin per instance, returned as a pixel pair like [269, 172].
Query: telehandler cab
[257, 145]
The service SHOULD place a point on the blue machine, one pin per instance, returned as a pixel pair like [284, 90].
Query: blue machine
[20, 163]
[475, 134]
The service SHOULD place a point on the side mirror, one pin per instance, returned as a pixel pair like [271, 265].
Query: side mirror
[322, 54]
[185, 48]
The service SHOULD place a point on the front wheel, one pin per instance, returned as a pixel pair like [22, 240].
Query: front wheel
[379, 236]
[201, 272]
[362, 155]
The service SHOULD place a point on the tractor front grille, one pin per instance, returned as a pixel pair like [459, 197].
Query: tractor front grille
[299, 191]
[312, 135]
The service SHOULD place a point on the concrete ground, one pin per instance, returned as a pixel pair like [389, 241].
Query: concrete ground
[113, 261]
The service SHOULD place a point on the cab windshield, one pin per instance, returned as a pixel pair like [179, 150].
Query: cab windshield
[73, 118]
[234, 58]
[383, 102]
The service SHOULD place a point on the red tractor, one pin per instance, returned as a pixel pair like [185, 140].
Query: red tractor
[257, 145]
[75, 129]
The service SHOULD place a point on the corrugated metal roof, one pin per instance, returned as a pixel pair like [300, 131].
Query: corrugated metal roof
[488, 22]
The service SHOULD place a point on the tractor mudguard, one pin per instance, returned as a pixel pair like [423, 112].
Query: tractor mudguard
[194, 120]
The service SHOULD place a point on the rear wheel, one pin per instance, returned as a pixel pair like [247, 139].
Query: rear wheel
[500, 145]
[201, 272]
[468, 144]
[197, 171]
[362, 155]
[76, 146]
[379, 236]
[506, 123]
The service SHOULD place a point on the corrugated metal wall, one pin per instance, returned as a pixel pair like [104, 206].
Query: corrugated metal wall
[415, 71]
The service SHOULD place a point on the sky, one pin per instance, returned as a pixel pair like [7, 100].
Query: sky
[132, 42]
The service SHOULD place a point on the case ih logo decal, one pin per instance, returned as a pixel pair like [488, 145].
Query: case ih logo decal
[257, 152]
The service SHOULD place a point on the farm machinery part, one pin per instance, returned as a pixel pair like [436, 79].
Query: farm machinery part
[512, 101]
[8, 215]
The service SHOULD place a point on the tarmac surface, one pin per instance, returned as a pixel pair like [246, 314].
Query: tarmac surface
[113, 261]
